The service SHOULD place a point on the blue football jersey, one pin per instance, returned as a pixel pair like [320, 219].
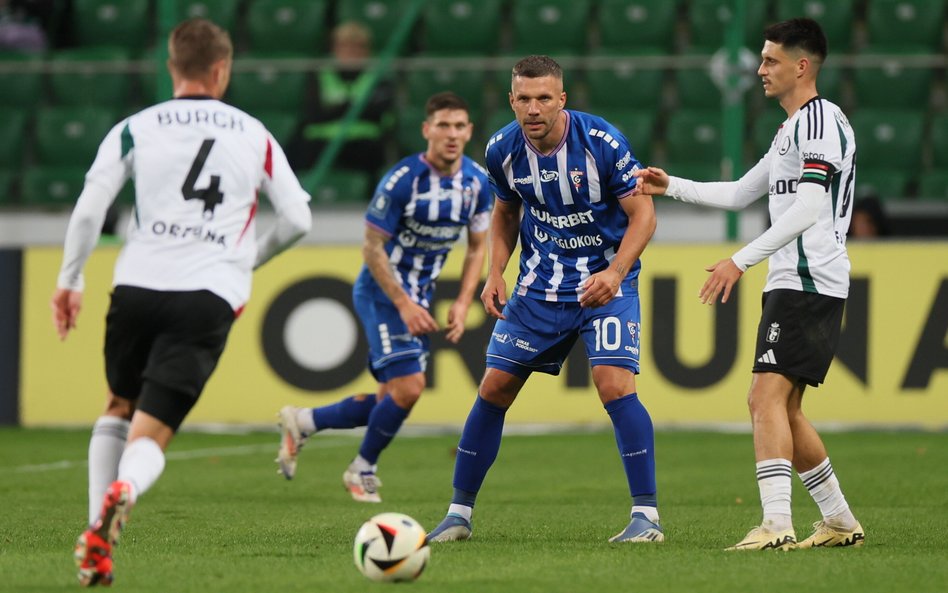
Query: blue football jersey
[572, 221]
[424, 214]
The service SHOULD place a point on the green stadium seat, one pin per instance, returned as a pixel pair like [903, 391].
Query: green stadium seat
[638, 126]
[282, 125]
[694, 137]
[71, 135]
[890, 85]
[834, 16]
[380, 17]
[629, 25]
[763, 130]
[54, 186]
[122, 23]
[708, 21]
[22, 84]
[12, 137]
[7, 196]
[550, 26]
[339, 186]
[896, 23]
[695, 89]
[498, 119]
[885, 184]
[266, 85]
[469, 84]
[408, 130]
[275, 26]
[462, 27]
[223, 13]
[933, 185]
[830, 82]
[624, 84]
[939, 141]
[78, 79]
[888, 140]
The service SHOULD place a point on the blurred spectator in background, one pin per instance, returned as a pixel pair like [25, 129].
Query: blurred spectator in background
[21, 25]
[868, 219]
[334, 91]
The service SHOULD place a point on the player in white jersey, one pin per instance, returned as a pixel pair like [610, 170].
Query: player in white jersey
[808, 174]
[184, 273]
[419, 210]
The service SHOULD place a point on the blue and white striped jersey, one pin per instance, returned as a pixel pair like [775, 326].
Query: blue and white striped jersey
[424, 214]
[572, 221]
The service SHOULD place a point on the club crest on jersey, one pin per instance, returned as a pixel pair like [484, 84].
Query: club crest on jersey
[379, 205]
[773, 332]
[546, 176]
[467, 196]
[633, 328]
[785, 146]
[576, 176]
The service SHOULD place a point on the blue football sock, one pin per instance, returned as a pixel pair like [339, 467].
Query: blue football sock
[480, 442]
[635, 437]
[384, 422]
[348, 413]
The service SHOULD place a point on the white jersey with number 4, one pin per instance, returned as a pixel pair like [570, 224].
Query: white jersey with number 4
[197, 164]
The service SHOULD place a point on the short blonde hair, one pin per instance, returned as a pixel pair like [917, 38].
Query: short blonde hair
[197, 44]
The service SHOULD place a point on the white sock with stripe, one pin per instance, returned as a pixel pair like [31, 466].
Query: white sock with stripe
[823, 486]
[774, 482]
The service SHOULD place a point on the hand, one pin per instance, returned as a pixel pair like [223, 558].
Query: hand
[600, 288]
[724, 275]
[417, 319]
[457, 314]
[652, 181]
[66, 305]
[494, 295]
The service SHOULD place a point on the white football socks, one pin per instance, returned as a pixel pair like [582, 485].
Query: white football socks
[823, 486]
[651, 513]
[773, 480]
[141, 464]
[105, 449]
[304, 419]
[460, 509]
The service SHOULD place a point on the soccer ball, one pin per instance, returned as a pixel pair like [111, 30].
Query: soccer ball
[391, 547]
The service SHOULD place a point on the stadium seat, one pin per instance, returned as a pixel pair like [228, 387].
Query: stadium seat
[890, 85]
[695, 89]
[708, 21]
[498, 119]
[71, 135]
[933, 185]
[380, 17]
[53, 186]
[282, 125]
[550, 26]
[20, 88]
[939, 141]
[266, 85]
[12, 137]
[629, 25]
[339, 187]
[408, 130]
[624, 84]
[834, 16]
[222, 12]
[6, 187]
[286, 26]
[884, 184]
[896, 23]
[763, 130]
[830, 82]
[78, 79]
[637, 125]
[469, 84]
[694, 138]
[888, 140]
[125, 23]
[465, 27]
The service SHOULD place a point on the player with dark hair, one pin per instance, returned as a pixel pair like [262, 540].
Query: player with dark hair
[420, 208]
[183, 275]
[809, 175]
[563, 181]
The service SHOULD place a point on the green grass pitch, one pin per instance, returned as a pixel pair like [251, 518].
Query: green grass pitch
[221, 520]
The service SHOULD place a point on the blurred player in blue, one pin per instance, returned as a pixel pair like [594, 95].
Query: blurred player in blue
[419, 210]
[563, 181]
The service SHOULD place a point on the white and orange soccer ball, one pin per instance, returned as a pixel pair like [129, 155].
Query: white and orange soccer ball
[391, 547]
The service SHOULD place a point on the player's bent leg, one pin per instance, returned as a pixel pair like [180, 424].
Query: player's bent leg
[760, 538]
[639, 530]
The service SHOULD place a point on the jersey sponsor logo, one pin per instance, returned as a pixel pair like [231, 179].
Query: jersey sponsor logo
[379, 205]
[783, 186]
[630, 173]
[624, 161]
[773, 333]
[501, 338]
[565, 221]
[768, 357]
[578, 242]
[547, 176]
[427, 230]
[814, 155]
[177, 231]
[224, 120]
[528, 180]
[576, 176]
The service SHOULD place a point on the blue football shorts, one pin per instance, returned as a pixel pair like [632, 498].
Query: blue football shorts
[538, 335]
[393, 351]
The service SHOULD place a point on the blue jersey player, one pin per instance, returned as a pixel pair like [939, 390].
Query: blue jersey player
[419, 210]
[563, 181]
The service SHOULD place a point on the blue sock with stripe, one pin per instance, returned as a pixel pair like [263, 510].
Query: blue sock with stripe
[384, 422]
[635, 438]
[347, 413]
[477, 450]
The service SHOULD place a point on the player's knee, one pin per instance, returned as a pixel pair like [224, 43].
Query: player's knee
[407, 390]
[119, 407]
